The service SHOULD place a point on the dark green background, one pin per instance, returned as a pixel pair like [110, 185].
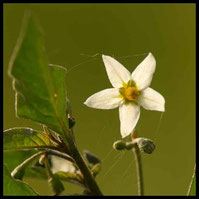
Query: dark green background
[76, 31]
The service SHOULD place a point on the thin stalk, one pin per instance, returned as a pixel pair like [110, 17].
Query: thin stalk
[59, 154]
[139, 172]
[189, 189]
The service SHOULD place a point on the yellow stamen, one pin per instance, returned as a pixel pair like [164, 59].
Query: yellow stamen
[130, 92]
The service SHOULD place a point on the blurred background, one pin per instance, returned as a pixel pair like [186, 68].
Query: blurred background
[74, 34]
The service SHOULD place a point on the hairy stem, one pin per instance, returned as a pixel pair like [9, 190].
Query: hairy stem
[138, 161]
[87, 175]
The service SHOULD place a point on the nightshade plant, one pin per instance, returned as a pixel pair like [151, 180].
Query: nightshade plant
[41, 96]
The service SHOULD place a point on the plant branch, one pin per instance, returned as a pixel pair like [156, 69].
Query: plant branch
[87, 175]
[59, 154]
[31, 147]
[139, 170]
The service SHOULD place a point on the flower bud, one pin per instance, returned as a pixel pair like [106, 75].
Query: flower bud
[71, 122]
[129, 145]
[145, 145]
[91, 158]
[119, 145]
[96, 169]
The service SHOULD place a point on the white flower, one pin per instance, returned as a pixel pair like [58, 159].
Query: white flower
[60, 164]
[129, 93]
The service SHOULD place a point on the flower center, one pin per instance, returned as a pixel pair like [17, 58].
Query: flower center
[130, 92]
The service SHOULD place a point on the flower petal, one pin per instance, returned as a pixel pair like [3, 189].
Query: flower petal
[143, 74]
[129, 115]
[60, 164]
[117, 73]
[105, 99]
[152, 100]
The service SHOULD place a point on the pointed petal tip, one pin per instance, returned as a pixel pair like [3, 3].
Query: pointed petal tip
[85, 103]
[125, 134]
[143, 73]
[151, 55]
[163, 104]
[152, 100]
[163, 109]
[104, 57]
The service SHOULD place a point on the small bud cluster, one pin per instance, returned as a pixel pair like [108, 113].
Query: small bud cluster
[145, 145]
[121, 145]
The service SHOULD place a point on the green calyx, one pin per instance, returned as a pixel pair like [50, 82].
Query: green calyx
[121, 145]
[145, 145]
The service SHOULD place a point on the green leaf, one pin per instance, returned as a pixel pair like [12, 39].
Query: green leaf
[192, 186]
[36, 172]
[12, 187]
[14, 158]
[56, 184]
[25, 138]
[93, 161]
[91, 158]
[40, 88]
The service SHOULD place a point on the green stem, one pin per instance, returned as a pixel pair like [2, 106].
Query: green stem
[88, 177]
[74, 152]
[138, 161]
